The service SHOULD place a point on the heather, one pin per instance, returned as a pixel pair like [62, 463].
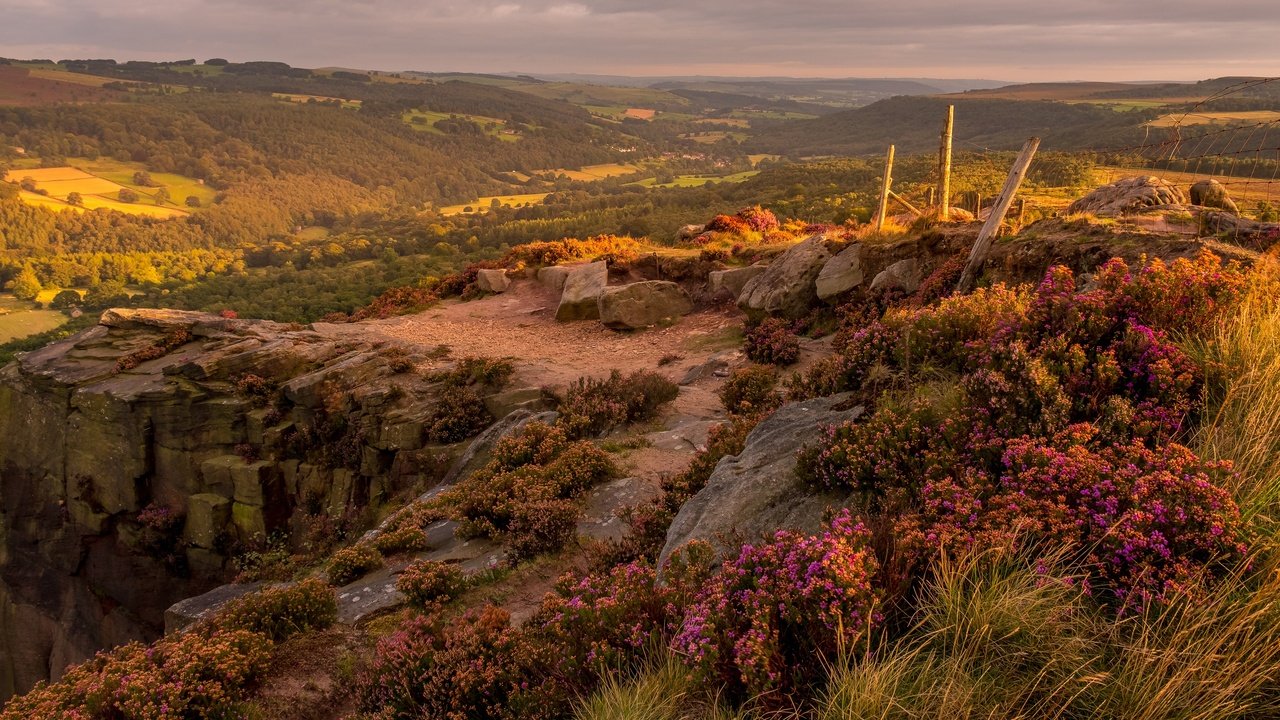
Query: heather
[1047, 414]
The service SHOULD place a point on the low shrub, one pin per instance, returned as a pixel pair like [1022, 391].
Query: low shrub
[524, 493]
[427, 583]
[397, 301]
[593, 407]
[405, 538]
[458, 413]
[189, 675]
[469, 667]
[352, 563]
[560, 251]
[282, 611]
[772, 342]
[764, 622]
[750, 390]
[541, 526]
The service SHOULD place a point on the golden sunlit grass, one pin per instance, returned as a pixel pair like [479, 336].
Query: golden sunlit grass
[99, 183]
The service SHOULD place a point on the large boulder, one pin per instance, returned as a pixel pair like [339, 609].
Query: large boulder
[903, 275]
[1128, 196]
[1212, 194]
[642, 304]
[841, 274]
[553, 276]
[757, 492]
[732, 281]
[689, 232]
[786, 287]
[492, 281]
[582, 288]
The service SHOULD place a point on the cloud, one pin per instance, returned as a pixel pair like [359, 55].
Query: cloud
[1001, 39]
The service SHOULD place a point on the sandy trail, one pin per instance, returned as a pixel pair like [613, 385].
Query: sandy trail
[520, 324]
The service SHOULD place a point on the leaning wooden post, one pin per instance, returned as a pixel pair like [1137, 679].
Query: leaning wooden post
[884, 190]
[944, 166]
[988, 233]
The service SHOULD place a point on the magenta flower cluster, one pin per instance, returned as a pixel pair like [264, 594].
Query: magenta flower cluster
[762, 624]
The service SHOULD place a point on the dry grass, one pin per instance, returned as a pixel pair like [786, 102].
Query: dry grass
[1243, 425]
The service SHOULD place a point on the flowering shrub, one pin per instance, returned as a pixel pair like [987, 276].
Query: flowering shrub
[728, 224]
[405, 538]
[457, 414]
[165, 345]
[1057, 428]
[772, 342]
[592, 406]
[190, 675]
[541, 526]
[522, 494]
[282, 610]
[161, 530]
[758, 219]
[750, 390]
[763, 622]
[568, 249]
[397, 301]
[352, 563]
[255, 387]
[427, 582]
[471, 667]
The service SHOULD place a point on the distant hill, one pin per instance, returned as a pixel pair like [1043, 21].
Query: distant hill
[913, 125]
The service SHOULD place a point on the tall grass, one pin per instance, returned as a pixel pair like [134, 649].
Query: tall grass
[1243, 422]
[1000, 639]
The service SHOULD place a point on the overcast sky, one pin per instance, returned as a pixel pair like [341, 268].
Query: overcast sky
[1015, 40]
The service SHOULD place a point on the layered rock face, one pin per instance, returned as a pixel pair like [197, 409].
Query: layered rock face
[137, 456]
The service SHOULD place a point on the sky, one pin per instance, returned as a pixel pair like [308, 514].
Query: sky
[1013, 40]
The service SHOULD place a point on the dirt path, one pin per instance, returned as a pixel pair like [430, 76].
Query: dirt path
[521, 324]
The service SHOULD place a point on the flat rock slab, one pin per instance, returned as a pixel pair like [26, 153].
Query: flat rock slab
[370, 595]
[599, 520]
[756, 492]
[841, 274]
[183, 614]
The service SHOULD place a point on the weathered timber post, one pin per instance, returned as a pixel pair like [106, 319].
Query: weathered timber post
[944, 166]
[982, 245]
[884, 190]
[906, 204]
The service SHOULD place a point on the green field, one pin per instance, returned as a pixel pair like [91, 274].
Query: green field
[494, 127]
[603, 95]
[303, 99]
[18, 319]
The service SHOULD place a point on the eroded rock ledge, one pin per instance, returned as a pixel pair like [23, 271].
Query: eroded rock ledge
[236, 428]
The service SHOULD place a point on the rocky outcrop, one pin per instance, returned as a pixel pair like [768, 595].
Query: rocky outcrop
[730, 282]
[1129, 196]
[757, 491]
[841, 274]
[137, 455]
[582, 288]
[492, 281]
[689, 232]
[642, 304]
[903, 276]
[786, 287]
[1213, 194]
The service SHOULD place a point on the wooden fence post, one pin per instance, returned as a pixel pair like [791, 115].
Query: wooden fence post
[944, 165]
[884, 190]
[987, 235]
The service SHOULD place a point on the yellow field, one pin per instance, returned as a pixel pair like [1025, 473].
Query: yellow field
[70, 77]
[1215, 118]
[757, 159]
[483, 204]
[596, 172]
[100, 186]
